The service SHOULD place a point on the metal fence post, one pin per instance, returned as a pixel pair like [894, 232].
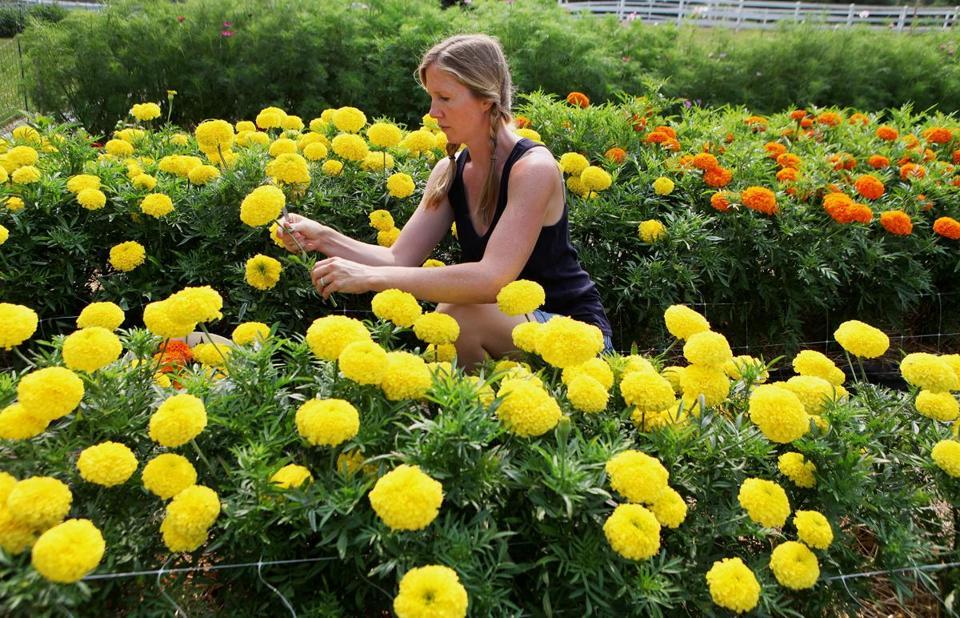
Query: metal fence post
[903, 18]
[679, 12]
[739, 15]
[850, 16]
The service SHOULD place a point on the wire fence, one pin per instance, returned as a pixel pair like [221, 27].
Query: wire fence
[12, 93]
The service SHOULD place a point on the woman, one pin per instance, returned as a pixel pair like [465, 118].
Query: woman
[506, 196]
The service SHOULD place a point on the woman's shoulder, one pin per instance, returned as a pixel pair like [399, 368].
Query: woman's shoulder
[537, 159]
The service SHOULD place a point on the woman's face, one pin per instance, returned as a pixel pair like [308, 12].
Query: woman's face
[461, 115]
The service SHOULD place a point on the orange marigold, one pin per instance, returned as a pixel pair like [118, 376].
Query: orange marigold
[858, 118]
[728, 138]
[522, 122]
[616, 154]
[760, 199]
[718, 177]
[788, 159]
[896, 222]
[948, 227]
[806, 123]
[843, 209]
[937, 135]
[831, 119]
[639, 122]
[911, 140]
[579, 99]
[755, 121]
[656, 137]
[956, 156]
[672, 144]
[705, 161]
[798, 114]
[869, 187]
[887, 133]
[774, 149]
[668, 130]
[878, 162]
[720, 201]
[912, 170]
[787, 174]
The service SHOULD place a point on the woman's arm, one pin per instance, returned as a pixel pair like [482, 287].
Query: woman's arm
[533, 182]
[417, 238]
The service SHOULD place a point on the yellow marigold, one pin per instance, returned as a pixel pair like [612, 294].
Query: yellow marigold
[202, 174]
[707, 349]
[144, 181]
[18, 424]
[15, 538]
[406, 498]
[145, 111]
[350, 147]
[794, 565]
[663, 186]
[289, 168]
[419, 142]
[405, 377]
[596, 368]
[69, 551]
[349, 119]
[400, 185]
[433, 591]
[329, 335]
[529, 134]
[292, 123]
[811, 363]
[22, 155]
[291, 476]
[89, 349]
[813, 529]
[159, 321]
[778, 413]
[178, 420]
[214, 134]
[26, 133]
[648, 391]
[575, 186]
[26, 175]
[156, 205]
[527, 409]
[14, 204]
[765, 502]
[381, 220]
[195, 304]
[194, 509]
[712, 383]
[364, 362]
[564, 342]
[633, 532]
[327, 422]
[17, 324]
[940, 406]
[520, 297]
[587, 394]
[377, 161]
[674, 414]
[211, 354]
[39, 502]
[739, 366]
[397, 306]
[651, 230]
[813, 392]
[271, 118]
[127, 255]
[669, 508]
[274, 229]
[946, 454]
[862, 339]
[263, 271]
[107, 464]
[179, 139]
[168, 474]
[7, 481]
[929, 372]
[384, 134]
[92, 199]
[262, 205]
[733, 585]
[795, 467]
[4, 234]
[673, 373]
[445, 352]
[104, 314]
[436, 328]
[595, 178]
[683, 322]
[178, 541]
[525, 336]
[387, 238]
[639, 477]
[573, 163]
[249, 332]
[50, 393]
[282, 145]
[317, 152]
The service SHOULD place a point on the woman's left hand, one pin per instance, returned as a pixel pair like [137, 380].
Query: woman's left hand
[336, 274]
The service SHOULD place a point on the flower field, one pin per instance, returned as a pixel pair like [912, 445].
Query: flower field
[176, 396]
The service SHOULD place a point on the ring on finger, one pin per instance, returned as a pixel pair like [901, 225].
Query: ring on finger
[323, 284]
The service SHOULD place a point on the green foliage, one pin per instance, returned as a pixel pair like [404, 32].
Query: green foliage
[305, 56]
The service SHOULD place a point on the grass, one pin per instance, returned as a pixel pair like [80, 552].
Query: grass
[11, 91]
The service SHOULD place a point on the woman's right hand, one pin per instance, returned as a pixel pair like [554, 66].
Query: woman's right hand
[306, 231]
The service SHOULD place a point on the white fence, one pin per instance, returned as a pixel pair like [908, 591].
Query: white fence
[767, 14]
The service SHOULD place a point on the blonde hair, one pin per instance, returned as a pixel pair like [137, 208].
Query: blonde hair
[477, 62]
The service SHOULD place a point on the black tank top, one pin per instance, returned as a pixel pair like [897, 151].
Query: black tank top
[554, 263]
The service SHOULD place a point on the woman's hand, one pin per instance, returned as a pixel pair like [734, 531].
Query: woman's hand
[306, 231]
[339, 275]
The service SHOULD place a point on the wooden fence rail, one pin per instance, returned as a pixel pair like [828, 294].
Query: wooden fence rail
[768, 13]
